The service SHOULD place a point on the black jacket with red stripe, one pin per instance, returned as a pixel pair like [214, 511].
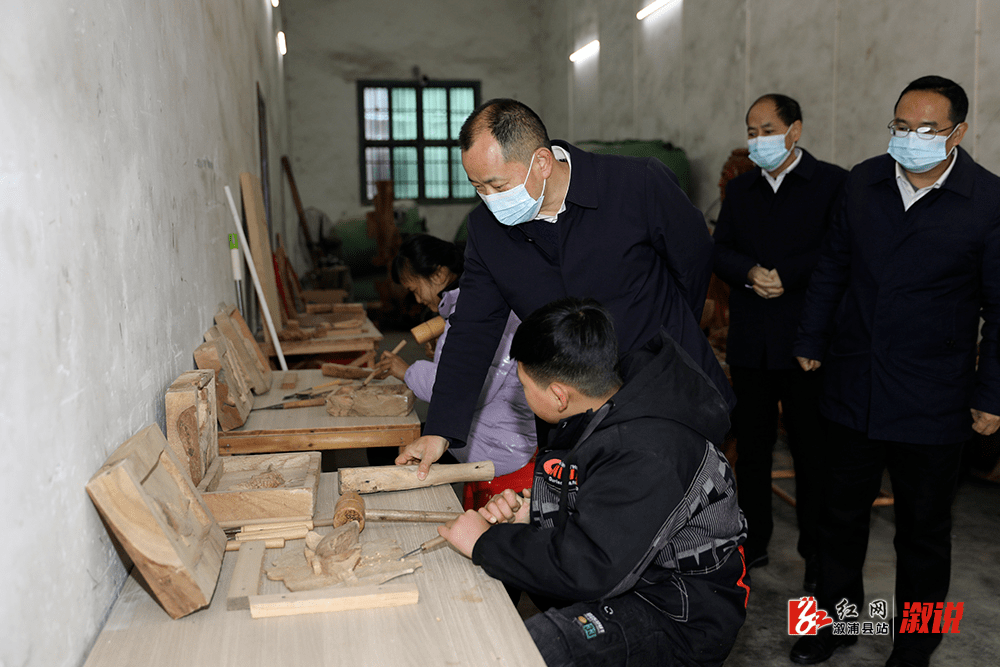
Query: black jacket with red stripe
[648, 505]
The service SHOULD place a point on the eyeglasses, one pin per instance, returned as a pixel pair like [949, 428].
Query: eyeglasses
[925, 132]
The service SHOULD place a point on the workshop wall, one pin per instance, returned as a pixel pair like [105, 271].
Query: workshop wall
[120, 123]
[333, 45]
[688, 73]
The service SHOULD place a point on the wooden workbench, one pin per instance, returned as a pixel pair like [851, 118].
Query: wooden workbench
[306, 429]
[463, 616]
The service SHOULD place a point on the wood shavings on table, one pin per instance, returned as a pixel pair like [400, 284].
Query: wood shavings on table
[379, 562]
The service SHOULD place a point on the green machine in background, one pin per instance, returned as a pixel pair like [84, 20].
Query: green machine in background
[675, 159]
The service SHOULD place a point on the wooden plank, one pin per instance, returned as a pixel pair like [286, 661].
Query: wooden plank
[299, 442]
[228, 493]
[334, 599]
[347, 371]
[192, 430]
[372, 479]
[153, 509]
[247, 358]
[233, 396]
[251, 343]
[290, 380]
[246, 576]
[260, 247]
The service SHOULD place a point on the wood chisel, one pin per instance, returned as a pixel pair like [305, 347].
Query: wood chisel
[309, 403]
[429, 544]
[325, 388]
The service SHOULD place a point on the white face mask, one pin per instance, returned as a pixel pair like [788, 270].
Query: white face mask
[769, 152]
[917, 155]
[515, 206]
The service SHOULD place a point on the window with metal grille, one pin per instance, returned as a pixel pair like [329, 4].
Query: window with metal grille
[409, 134]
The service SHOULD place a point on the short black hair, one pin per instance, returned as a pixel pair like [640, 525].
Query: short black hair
[788, 109]
[957, 98]
[518, 129]
[573, 341]
[421, 254]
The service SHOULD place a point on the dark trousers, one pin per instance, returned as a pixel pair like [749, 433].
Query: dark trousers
[924, 480]
[755, 422]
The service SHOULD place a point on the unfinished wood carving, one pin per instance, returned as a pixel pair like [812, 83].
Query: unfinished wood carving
[239, 347]
[233, 396]
[265, 480]
[378, 561]
[252, 489]
[391, 400]
[154, 511]
[191, 421]
[262, 362]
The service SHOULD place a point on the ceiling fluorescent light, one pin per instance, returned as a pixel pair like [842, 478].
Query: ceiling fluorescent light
[588, 50]
[274, 3]
[652, 8]
[281, 43]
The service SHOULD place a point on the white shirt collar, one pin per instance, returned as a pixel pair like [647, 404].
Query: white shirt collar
[562, 155]
[910, 194]
[775, 182]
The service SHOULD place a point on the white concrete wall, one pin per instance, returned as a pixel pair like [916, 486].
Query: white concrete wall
[687, 74]
[331, 45]
[120, 123]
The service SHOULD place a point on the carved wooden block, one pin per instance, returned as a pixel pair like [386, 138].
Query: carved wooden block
[240, 490]
[254, 362]
[395, 400]
[153, 509]
[192, 430]
[233, 396]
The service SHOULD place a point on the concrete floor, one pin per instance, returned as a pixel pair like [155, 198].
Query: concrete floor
[764, 639]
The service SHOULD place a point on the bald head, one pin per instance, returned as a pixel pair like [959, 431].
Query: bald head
[515, 127]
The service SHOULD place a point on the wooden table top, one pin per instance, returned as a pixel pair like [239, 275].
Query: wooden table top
[463, 617]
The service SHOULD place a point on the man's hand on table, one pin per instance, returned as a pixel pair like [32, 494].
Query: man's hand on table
[424, 451]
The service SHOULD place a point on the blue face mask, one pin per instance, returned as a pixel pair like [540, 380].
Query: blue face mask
[769, 152]
[514, 206]
[918, 155]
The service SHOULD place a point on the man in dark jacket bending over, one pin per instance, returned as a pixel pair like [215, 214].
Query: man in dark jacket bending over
[558, 222]
[632, 532]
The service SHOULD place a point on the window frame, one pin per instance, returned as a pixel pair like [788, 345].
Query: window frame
[419, 143]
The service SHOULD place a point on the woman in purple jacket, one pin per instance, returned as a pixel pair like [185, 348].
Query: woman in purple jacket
[503, 426]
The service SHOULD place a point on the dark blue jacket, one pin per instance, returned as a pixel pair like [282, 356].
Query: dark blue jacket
[893, 307]
[780, 230]
[629, 238]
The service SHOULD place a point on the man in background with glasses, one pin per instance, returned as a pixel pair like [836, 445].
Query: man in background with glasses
[892, 314]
